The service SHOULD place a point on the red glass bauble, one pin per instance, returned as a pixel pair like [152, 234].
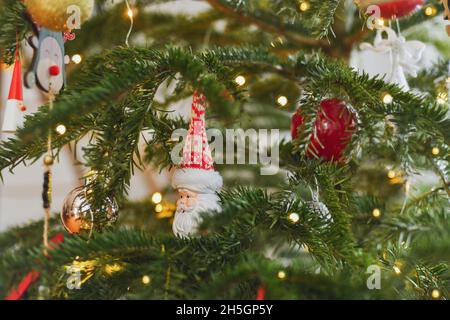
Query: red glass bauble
[399, 8]
[392, 8]
[333, 130]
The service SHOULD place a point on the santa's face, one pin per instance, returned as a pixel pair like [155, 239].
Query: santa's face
[187, 201]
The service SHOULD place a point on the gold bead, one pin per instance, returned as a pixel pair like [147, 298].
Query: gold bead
[48, 160]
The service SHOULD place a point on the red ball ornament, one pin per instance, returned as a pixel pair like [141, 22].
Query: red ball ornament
[393, 8]
[333, 130]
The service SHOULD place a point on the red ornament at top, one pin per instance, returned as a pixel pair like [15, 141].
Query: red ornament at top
[332, 131]
[392, 8]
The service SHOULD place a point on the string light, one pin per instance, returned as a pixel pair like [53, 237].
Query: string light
[304, 5]
[430, 11]
[376, 213]
[156, 197]
[387, 98]
[281, 274]
[435, 294]
[294, 217]
[61, 129]
[131, 13]
[391, 174]
[146, 279]
[159, 208]
[282, 101]
[76, 58]
[435, 151]
[240, 80]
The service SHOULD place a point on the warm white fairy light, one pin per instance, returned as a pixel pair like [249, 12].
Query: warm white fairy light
[430, 11]
[294, 217]
[61, 129]
[159, 208]
[376, 213]
[304, 6]
[387, 98]
[282, 101]
[281, 274]
[156, 197]
[240, 80]
[435, 151]
[146, 279]
[435, 294]
[76, 58]
[131, 13]
[391, 174]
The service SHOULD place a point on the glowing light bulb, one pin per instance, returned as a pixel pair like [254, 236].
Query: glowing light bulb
[159, 208]
[240, 80]
[281, 274]
[156, 197]
[435, 294]
[76, 58]
[376, 213]
[282, 101]
[430, 11]
[391, 174]
[146, 279]
[294, 217]
[304, 6]
[435, 151]
[61, 129]
[387, 98]
[130, 13]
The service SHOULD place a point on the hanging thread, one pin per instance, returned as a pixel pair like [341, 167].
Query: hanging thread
[130, 14]
[47, 185]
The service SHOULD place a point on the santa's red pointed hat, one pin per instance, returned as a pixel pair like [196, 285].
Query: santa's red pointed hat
[196, 169]
[14, 104]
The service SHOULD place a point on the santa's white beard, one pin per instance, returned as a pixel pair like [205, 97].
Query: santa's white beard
[187, 220]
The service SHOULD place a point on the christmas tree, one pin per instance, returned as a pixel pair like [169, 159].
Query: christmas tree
[352, 204]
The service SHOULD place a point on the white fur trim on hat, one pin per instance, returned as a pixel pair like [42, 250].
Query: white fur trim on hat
[197, 180]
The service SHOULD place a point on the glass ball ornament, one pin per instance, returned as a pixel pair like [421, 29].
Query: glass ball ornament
[59, 15]
[390, 9]
[333, 129]
[77, 214]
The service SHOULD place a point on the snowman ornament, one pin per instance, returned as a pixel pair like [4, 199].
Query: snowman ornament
[47, 68]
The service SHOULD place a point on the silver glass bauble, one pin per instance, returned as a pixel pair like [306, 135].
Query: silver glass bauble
[77, 214]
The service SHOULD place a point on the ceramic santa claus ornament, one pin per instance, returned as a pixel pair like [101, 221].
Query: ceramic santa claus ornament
[195, 179]
[12, 117]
